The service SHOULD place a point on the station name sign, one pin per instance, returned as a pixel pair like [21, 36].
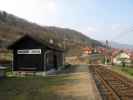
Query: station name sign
[29, 51]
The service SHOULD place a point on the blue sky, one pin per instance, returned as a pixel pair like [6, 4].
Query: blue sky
[99, 19]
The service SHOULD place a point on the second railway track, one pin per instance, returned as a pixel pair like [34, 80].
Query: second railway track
[111, 85]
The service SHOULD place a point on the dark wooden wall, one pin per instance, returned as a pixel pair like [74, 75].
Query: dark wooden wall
[28, 61]
[35, 62]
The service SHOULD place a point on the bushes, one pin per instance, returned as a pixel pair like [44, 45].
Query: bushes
[67, 66]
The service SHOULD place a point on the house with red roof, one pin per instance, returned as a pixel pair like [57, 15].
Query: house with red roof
[95, 55]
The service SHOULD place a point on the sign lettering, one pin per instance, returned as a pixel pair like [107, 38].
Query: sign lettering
[29, 51]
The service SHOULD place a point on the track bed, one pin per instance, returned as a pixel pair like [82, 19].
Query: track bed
[111, 85]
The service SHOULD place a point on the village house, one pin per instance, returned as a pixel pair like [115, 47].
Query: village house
[30, 53]
[108, 54]
[95, 55]
[121, 56]
[87, 50]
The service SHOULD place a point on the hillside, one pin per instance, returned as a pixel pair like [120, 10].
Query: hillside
[12, 27]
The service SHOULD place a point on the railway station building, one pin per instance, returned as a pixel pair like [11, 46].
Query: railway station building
[30, 53]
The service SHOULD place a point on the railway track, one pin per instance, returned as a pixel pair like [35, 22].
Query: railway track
[111, 85]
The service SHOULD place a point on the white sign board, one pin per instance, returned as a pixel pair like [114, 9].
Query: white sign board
[29, 51]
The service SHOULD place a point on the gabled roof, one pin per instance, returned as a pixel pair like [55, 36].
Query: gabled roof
[120, 52]
[38, 40]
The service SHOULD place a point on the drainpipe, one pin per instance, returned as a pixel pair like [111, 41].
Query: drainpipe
[13, 60]
[63, 59]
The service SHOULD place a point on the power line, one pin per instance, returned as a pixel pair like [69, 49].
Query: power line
[121, 34]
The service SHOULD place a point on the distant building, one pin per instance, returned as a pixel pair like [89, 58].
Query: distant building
[30, 53]
[95, 55]
[121, 56]
[87, 51]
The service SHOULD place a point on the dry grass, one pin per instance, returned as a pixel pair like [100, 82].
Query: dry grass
[72, 86]
[78, 88]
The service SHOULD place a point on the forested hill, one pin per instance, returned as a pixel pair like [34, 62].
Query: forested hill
[12, 27]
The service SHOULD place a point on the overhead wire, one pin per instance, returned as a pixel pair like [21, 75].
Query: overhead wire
[122, 34]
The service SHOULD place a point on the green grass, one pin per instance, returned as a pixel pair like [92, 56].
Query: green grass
[30, 88]
[126, 71]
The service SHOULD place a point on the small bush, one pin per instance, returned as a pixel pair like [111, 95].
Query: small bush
[67, 66]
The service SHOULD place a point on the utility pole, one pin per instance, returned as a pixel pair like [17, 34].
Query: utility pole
[64, 45]
[107, 44]
[108, 54]
[107, 50]
[64, 42]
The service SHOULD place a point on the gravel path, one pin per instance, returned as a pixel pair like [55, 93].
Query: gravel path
[81, 88]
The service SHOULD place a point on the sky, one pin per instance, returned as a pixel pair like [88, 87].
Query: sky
[99, 19]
